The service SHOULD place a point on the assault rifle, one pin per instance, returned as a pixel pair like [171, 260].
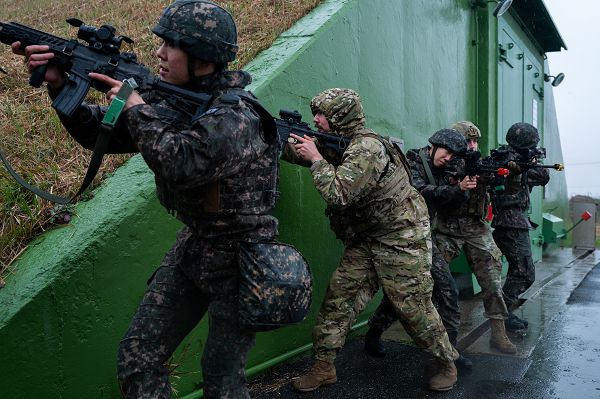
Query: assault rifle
[291, 122]
[527, 159]
[496, 164]
[476, 166]
[498, 159]
[101, 54]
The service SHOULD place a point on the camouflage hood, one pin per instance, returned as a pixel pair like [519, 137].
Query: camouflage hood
[342, 108]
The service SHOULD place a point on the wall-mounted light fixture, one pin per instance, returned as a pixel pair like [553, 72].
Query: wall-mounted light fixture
[557, 79]
[501, 8]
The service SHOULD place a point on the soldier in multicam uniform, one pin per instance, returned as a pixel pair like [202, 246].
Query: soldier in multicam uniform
[217, 172]
[457, 210]
[511, 224]
[383, 223]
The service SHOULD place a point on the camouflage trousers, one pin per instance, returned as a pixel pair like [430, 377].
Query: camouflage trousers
[483, 256]
[444, 297]
[485, 260]
[402, 271]
[195, 277]
[515, 245]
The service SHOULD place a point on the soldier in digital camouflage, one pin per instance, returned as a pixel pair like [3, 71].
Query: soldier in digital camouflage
[383, 223]
[511, 223]
[216, 171]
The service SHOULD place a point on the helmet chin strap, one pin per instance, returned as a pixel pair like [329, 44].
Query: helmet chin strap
[191, 67]
[434, 149]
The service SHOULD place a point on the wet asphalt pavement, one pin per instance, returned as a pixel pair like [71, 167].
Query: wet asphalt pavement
[561, 359]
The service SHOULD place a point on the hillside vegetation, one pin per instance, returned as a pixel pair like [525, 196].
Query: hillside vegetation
[30, 132]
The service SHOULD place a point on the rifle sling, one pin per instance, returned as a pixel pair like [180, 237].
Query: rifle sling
[427, 169]
[99, 150]
[102, 141]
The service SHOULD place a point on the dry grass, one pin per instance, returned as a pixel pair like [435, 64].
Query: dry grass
[39, 149]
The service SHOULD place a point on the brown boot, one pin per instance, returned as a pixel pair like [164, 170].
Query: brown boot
[499, 340]
[444, 377]
[321, 373]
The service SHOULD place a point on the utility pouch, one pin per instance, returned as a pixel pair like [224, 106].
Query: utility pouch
[275, 285]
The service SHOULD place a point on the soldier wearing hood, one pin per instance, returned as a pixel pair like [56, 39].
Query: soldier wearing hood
[217, 172]
[457, 209]
[384, 225]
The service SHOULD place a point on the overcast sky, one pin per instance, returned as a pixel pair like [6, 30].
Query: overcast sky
[578, 97]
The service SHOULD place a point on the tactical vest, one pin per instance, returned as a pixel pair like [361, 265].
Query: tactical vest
[372, 212]
[475, 205]
[252, 191]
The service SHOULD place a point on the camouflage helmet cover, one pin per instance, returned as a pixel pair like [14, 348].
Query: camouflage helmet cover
[341, 107]
[450, 139]
[467, 129]
[522, 135]
[201, 28]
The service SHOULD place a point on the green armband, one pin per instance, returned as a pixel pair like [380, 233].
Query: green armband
[118, 102]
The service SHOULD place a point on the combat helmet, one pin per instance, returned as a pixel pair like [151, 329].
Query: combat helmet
[467, 129]
[522, 135]
[450, 139]
[201, 28]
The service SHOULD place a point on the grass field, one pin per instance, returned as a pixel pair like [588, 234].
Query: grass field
[30, 132]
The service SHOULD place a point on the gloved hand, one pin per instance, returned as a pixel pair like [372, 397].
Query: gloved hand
[513, 168]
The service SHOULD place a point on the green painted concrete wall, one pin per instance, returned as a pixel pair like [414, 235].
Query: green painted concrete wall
[556, 196]
[74, 291]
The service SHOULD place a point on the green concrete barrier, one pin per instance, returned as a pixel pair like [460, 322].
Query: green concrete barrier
[74, 291]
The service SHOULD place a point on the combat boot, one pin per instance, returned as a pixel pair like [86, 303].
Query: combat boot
[462, 363]
[514, 323]
[445, 376]
[321, 373]
[373, 345]
[499, 340]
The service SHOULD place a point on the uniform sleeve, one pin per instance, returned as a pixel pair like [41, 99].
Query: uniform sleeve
[222, 142]
[435, 195]
[537, 177]
[363, 163]
[84, 127]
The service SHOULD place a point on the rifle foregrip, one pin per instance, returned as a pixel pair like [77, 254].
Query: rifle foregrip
[37, 76]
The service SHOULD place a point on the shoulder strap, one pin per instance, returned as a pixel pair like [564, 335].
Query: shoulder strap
[427, 169]
[267, 120]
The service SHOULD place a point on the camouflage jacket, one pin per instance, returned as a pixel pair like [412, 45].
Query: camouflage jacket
[368, 194]
[468, 217]
[218, 173]
[510, 206]
[439, 194]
